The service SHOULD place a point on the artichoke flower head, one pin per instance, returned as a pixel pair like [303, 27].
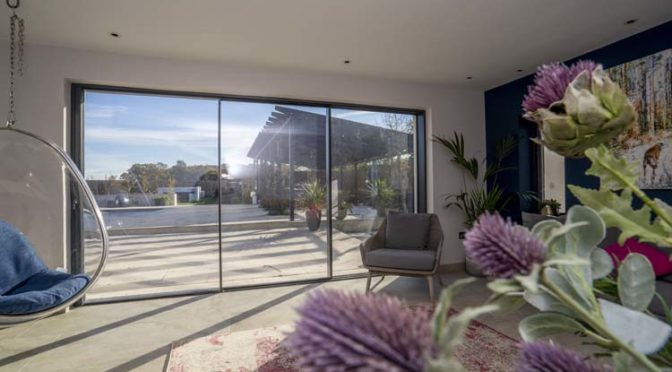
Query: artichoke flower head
[592, 111]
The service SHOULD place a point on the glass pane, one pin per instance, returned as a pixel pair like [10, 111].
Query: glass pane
[372, 171]
[150, 160]
[273, 193]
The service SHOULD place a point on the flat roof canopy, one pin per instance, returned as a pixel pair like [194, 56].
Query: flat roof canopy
[304, 133]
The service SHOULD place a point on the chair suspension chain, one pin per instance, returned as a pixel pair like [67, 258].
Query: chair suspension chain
[15, 61]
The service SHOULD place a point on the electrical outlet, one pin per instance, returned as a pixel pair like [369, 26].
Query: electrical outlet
[461, 235]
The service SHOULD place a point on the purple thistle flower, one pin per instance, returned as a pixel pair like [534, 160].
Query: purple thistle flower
[545, 357]
[503, 249]
[550, 83]
[346, 331]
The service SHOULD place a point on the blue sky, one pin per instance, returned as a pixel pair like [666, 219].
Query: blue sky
[124, 129]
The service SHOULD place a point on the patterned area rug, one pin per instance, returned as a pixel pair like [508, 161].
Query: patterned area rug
[484, 349]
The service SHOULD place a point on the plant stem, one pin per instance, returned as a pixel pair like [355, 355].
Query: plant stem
[587, 317]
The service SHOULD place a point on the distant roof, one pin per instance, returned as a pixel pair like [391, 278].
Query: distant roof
[351, 141]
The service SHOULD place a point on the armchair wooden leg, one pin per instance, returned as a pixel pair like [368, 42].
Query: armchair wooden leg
[430, 284]
[368, 282]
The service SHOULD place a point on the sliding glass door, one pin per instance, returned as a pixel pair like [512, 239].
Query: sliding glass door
[273, 195]
[149, 160]
[373, 171]
[208, 193]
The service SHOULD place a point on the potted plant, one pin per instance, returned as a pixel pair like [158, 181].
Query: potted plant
[549, 207]
[381, 194]
[343, 208]
[476, 197]
[313, 198]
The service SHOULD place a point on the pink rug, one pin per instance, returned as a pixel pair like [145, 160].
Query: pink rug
[484, 349]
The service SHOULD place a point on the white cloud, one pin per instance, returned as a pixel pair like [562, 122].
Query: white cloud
[96, 111]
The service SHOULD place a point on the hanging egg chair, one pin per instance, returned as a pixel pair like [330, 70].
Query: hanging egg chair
[41, 193]
[44, 203]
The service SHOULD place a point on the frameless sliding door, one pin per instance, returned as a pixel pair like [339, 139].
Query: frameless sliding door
[273, 193]
[150, 161]
[373, 171]
[204, 193]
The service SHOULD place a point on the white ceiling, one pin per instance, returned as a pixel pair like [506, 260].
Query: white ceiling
[439, 41]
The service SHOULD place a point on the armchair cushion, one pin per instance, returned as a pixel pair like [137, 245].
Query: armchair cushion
[405, 259]
[407, 230]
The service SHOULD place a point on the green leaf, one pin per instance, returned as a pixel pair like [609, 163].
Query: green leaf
[614, 173]
[591, 233]
[567, 259]
[622, 362]
[544, 301]
[617, 211]
[645, 333]
[503, 286]
[544, 325]
[601, 263]
[544, 229]
[573, 285]
[445, 364]
[636, 282]
[445, 301]
[531, 281]
[457, 325]
[508, 302]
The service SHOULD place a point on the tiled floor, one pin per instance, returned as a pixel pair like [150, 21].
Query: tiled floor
[137, 335]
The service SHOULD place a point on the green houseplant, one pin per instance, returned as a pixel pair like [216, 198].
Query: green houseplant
[382, 195]
[313, 199]
[476, 198]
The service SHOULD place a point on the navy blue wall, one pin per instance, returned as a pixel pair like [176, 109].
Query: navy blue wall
[503, 112]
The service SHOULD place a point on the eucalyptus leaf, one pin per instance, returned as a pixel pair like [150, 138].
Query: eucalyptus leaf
[443, 364]
[601, 263]
[531, 281]
[645, 333]
[546, 302]
[502, 286]
[622, 362]
[568, 259]
[543, 325]
[445, 301]
[636, 282]
[457, 325]
[592, 232]
[543, 229]
[508, 302]
[570, 283]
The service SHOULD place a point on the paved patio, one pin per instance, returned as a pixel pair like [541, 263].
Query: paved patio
[148, 260]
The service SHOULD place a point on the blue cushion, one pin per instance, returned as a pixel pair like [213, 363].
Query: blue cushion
[18, 260]
[42, 291]
[26, 284]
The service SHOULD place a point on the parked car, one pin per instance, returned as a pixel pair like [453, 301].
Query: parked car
[122, 200]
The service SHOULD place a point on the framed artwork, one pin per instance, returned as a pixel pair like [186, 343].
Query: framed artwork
[648, 83]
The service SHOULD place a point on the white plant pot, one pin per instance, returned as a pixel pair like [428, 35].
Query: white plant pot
[470, 267]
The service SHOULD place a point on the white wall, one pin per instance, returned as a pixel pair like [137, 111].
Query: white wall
[554, 177]
[44, 103]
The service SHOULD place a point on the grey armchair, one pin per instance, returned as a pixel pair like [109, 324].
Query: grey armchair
[410, 247]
